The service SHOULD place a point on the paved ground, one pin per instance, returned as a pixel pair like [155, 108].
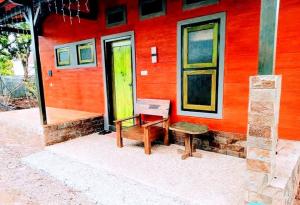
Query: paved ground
[22, 185]
[94, 165]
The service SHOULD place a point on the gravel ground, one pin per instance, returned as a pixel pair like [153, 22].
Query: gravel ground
[22, 185]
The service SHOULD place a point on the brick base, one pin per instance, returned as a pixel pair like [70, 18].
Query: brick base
[69, 130]
[227, 143]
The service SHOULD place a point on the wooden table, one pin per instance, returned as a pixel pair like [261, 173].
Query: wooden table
[189, 130]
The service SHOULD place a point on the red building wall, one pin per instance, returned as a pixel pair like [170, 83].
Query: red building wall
[82, 89]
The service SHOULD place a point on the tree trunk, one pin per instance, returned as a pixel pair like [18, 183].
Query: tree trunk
[25, 68]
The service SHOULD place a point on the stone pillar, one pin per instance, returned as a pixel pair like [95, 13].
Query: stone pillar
[262, 134]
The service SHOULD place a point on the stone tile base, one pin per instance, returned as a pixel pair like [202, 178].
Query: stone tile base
[69, 130]
[282, 190]
[227, 143]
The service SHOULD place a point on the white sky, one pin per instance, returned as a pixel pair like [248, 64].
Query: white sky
[18, 68]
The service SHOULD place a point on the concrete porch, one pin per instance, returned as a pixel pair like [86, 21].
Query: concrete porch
[63, 124]
[106, 174]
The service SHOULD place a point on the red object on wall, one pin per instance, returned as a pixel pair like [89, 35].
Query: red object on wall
[83, 89]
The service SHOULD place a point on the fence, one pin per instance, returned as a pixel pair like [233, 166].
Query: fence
[14, 86]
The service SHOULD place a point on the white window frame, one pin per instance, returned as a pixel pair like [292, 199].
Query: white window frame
[73, 55]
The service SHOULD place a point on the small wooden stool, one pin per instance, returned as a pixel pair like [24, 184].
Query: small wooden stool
[189, 130]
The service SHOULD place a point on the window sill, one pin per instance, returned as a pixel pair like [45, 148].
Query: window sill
[201, 114]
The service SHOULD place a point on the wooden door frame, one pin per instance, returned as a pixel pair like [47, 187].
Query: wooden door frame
[107, 39]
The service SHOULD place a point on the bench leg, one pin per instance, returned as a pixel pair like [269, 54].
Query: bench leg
[166, 132]
[147, 142]
[119, 137]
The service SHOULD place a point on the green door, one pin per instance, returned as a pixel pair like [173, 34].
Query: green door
[122, 80]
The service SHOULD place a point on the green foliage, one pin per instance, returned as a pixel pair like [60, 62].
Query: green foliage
[16, 46]
[31, 88]
[6, 66]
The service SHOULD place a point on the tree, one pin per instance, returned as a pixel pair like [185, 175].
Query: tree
[16, 46]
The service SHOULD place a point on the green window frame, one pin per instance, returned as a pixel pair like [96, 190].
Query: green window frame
[186, 31]
[82, 47]
[58, 54]
[190, 106]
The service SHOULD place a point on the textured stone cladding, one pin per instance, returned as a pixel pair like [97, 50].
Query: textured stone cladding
[262, 135]
[69, 130]
[220, 142]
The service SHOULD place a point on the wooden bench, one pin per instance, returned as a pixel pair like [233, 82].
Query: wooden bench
[150, 131]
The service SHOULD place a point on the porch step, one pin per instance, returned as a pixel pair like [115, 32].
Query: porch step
[100, 186]
[283, 188]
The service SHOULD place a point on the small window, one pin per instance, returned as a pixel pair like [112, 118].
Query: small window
[116, 16]
[63, 56]
[85, 53]
[76, 55]
[152, 8]
[188, 4]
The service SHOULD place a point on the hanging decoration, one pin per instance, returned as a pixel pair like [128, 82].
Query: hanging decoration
[63, 10]
[55, 6]
[40, 7]
[23, 14]
[78, 10]
[70, 12]
[5, 20]
[49, 5]
[87, 6]
[18, 21]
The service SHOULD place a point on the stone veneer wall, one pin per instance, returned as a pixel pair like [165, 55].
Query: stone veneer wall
[227, 143]
[69, 130]
[262, 135]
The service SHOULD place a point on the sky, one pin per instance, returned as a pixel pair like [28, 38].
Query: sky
[18, 68]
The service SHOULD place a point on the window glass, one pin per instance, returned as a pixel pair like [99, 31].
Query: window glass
[85, 53]
[63, 56]
[188, 4]
[200, 67]
[200, 46]
[116, 16]
[152, 8]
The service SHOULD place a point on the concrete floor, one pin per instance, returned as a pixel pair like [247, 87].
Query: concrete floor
[109, 175]
[20, 124]
[30, 117]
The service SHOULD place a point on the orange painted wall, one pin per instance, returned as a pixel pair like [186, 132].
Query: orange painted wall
[82, 89]
[288, 65]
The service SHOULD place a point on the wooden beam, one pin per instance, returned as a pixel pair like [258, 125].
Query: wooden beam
[20, 2]
[10, 14]
[268, 36]
[4, 3]
[38, 66]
